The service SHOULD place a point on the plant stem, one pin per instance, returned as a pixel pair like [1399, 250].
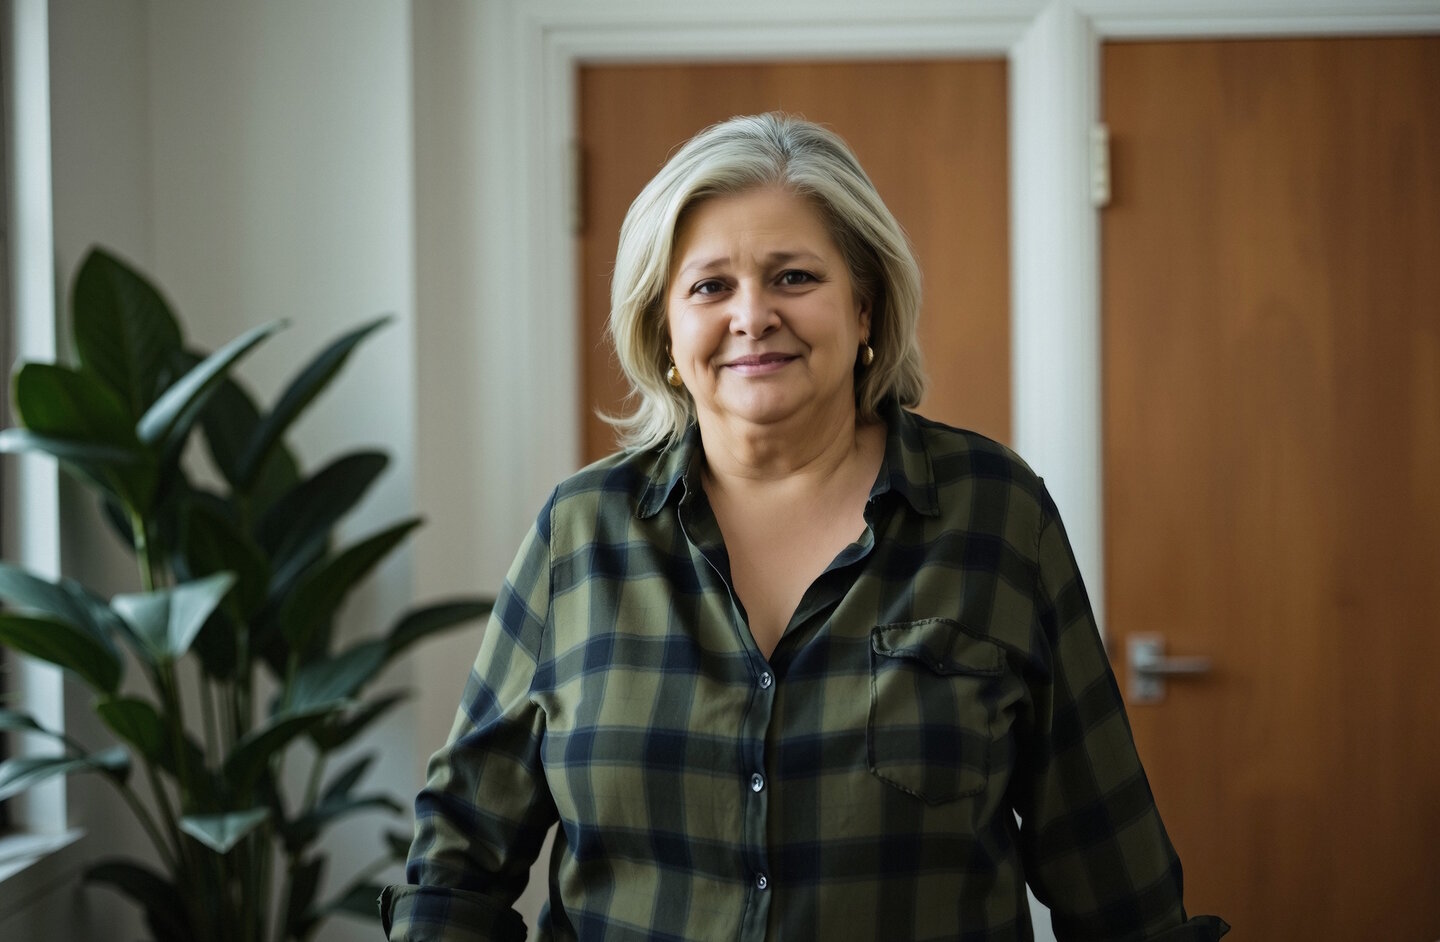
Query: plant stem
[312, 787]
[214, 749]
[181, 864]
[245, 867]
[141, 537]
[175, 719]
[167, 813]
[282, 911]
[147, 821]
[263, 883]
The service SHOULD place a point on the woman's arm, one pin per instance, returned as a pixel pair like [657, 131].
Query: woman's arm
[1095, 849]
[483, 813]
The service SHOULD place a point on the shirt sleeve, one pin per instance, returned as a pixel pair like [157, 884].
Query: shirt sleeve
[482, 816]
[1094, 847]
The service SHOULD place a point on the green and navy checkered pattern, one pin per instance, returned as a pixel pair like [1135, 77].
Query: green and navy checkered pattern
[943, 675]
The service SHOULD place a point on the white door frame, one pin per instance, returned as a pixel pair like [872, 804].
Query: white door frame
[1053, 51]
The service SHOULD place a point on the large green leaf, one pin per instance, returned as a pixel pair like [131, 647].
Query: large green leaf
[170, 417]
[221, 832]
[15, 441]
[16, 775]
[13, 721]
[216, 645]
[138, 723]
[211, 542]
[338, 730]
[28, 592]
[141, 725]
[419, 624]
[309, 511]
[306, 615]
[335, 678]
[124, 330]
[344, 781]
[254, 751]
[56, 400]
[167, 620]
[66, 600]
[302, 390]
[126, 474]
[230, 419]
[66, 645]
[155, 895]
[289, 571]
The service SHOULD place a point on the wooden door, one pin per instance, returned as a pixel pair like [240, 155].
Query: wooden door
[1272, 465]
[932, 135]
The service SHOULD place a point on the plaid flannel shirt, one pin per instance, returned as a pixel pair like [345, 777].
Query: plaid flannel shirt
[943, 675]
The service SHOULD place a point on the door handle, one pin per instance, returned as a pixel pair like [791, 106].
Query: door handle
[1149, 668]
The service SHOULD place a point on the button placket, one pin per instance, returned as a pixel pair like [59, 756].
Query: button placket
[762, 705]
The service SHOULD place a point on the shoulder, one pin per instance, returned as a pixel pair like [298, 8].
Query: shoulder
[960, 456]
[972, 483]
[611, 489]
[620, 474]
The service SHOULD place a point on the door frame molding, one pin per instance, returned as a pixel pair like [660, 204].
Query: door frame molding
[1053, 52]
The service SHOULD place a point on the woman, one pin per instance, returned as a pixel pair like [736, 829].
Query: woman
[790, 665]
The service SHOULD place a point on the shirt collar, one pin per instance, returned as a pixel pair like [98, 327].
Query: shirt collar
[906, 470]
[670, 470]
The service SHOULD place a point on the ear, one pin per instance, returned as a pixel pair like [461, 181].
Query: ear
[862, 306]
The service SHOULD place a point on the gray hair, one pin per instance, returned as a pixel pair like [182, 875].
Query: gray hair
[730, 157]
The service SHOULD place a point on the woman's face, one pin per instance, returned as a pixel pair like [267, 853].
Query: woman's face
[764, 322]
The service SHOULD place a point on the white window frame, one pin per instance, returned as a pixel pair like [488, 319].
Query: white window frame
[43, 847]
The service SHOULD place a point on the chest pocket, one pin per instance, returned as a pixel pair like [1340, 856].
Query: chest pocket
[931, 707]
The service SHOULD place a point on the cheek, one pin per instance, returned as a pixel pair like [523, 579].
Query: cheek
[691, 335]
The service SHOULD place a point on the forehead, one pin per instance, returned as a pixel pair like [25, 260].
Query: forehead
[763, 217]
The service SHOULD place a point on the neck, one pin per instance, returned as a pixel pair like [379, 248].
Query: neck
[740, 451]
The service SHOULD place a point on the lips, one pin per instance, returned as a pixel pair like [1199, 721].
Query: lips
[759, 362]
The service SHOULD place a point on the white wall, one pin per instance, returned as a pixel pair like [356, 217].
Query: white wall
[256, 160]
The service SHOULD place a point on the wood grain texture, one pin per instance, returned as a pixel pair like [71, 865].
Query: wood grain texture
[1272, 454]
[931, 134]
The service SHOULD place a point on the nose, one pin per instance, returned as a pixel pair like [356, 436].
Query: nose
[752, 312]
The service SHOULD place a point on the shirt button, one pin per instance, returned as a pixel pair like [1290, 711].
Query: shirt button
[757, 782]
[766, 680]
[761, 881]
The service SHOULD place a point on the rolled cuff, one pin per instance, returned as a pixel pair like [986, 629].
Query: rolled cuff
[1195, 929]
[413, 913]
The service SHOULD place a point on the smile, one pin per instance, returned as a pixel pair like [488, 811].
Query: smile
[760, 363]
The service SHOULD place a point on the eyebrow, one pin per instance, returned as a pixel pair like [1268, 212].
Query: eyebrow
[771, 260]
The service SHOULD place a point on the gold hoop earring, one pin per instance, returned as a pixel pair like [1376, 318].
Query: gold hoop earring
[672, 376]
[867, 354]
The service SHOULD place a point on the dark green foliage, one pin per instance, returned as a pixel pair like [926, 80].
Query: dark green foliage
[233, 584]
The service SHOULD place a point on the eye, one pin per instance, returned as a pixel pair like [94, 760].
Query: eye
[708, 286]
[795, 276]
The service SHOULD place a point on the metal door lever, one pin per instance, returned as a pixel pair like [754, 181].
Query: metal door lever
[1149, 667]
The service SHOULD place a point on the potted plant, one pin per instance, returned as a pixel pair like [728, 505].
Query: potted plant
[232, 626]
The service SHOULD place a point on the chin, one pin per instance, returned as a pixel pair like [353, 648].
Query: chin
[769, 409]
